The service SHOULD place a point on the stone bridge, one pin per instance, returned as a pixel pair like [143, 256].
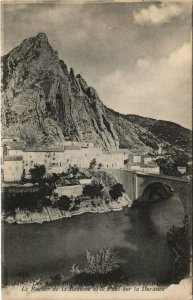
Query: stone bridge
[139, 186]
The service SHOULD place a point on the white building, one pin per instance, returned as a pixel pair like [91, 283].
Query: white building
[13, 168]
[59, 159]
[143, 163]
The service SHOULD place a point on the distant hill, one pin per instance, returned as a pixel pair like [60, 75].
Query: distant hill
[45, 103]
[167, 133]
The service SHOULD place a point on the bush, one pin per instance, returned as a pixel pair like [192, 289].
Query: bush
[31, 201]
[92, 163]
[93, 204]
[46, 202]
[63, 203]
[116, 191]
[103, 262]
[55, 279]
[38, 171]
[168, 166]
[92, 190]
[73, 170]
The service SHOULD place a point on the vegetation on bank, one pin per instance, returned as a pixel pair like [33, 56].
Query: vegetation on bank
[101, 268]
[179, 243]
[102, 190]
[169, 164]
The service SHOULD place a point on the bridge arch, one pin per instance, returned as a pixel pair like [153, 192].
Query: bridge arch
[155, 191]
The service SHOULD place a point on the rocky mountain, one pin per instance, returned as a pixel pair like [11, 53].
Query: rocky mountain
[45, 103]
[172, 137]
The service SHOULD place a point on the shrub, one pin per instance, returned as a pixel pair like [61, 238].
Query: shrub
[75, 270]
[46, 202]
[101, 268]
[116, 191]
[168, 166]
[38, 171]
[92, 190]
[93, 204]
[73, 170]
[55, 279]
[63, 203]
[92, 163]
[102, 262]
[77, 201]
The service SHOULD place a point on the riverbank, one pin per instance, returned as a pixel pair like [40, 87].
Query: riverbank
[52, 248]
[49, 214]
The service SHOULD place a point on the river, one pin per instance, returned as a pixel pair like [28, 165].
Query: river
[32, 250]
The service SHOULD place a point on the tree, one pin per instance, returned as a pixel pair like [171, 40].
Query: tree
[38, 171]
[102, 262]
[92, 163]
[63, 203]
[54, 179]
[23, 175]
[73, 170]
[116, 191]
[93, 190]
[99, 166]
[168, 166]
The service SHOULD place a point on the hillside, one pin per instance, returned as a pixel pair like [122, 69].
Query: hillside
[173, 137]
[45, 103]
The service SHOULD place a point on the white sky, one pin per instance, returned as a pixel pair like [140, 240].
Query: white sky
[136, 55]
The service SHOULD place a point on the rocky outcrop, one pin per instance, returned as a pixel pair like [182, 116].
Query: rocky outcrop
[50, 214]
[45, 103]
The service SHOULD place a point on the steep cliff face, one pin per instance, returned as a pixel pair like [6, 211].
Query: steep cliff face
[45, 103]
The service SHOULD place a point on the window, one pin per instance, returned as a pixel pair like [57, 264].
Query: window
[67, 160]
[60, 164]
[137, 159]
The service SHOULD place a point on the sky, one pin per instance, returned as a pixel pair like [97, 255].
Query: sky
[136, 55]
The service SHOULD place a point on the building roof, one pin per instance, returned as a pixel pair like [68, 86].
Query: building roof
[72, 147]
[15, 145]
[149, 156]
[13, 158]
[123, 150]
[43, 149]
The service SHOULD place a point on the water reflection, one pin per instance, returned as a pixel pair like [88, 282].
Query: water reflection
[33, 250]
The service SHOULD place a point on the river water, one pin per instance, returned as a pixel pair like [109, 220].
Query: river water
[32, 250]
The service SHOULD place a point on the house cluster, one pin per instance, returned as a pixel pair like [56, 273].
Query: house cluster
[17, 158]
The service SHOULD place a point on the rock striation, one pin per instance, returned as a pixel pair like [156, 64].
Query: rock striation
[44, 102]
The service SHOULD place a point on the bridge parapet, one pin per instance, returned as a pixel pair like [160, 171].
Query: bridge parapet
[135, 183]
